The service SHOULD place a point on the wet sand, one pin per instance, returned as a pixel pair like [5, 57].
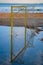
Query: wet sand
[35, 19]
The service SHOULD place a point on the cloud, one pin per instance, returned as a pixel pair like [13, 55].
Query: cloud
[19, 1]
[5, 1]
[27, 1]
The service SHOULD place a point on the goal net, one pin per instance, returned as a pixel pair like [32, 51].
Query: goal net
[18, 30]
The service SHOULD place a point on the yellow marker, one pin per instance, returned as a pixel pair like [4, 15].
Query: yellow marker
[25, 28]
[11, 22]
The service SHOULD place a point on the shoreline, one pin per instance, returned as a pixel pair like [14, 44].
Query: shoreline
[18, 20]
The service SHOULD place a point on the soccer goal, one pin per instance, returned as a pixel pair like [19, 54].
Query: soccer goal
[17, 14]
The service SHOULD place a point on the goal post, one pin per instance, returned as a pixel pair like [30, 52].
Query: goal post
[11, 32]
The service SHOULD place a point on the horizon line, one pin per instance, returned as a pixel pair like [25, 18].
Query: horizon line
[26, 4]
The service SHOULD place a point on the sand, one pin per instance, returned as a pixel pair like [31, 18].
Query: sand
[18, 15]
[35, 19]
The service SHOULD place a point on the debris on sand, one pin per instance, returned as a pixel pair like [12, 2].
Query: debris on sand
[30, 26]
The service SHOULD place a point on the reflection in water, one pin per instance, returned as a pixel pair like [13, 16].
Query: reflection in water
[30, 37]
[41, 39]
[32, 55]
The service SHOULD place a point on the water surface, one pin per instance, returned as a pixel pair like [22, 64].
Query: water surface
[33, 55]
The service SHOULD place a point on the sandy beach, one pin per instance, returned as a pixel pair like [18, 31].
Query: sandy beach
[33, 19]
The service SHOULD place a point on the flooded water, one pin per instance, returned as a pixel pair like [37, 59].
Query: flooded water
[32, 55]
